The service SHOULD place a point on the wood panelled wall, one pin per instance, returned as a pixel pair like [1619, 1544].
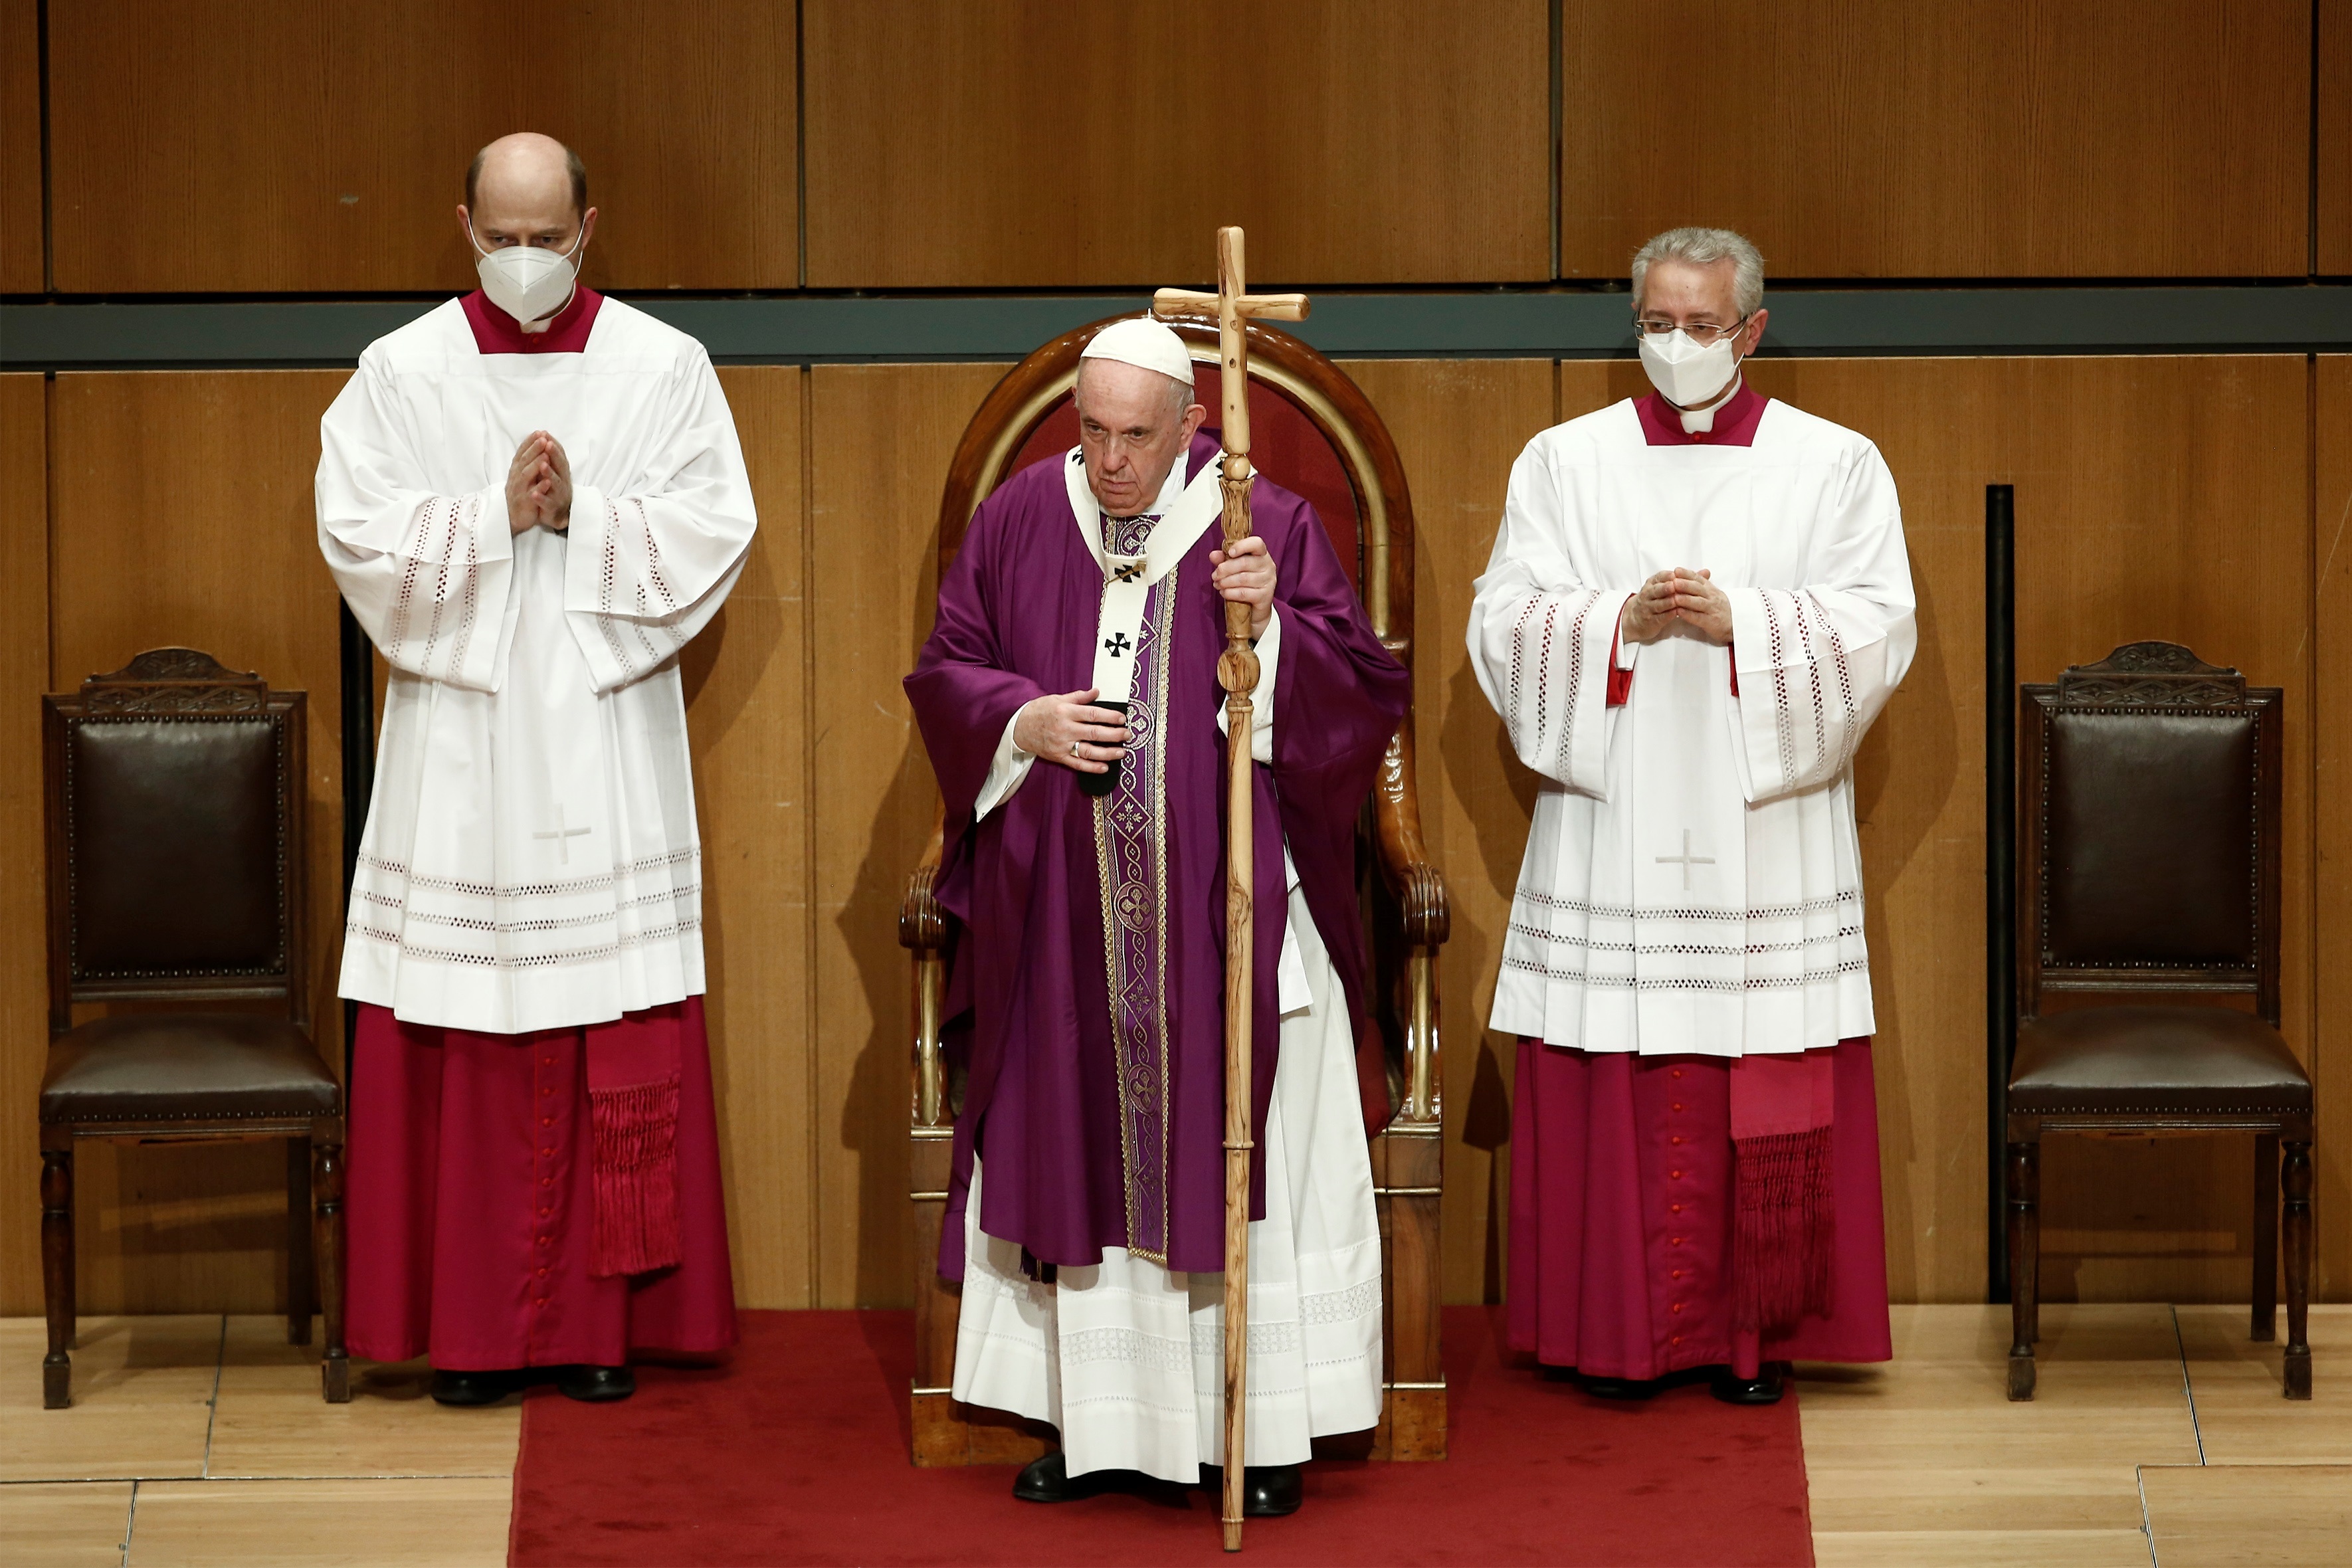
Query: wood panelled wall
[1945, 138]
[296, 146]
[2205, 500]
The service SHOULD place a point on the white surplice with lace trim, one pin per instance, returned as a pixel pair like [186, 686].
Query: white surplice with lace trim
[531, 858]
[1126, 1358]
[1693, 877]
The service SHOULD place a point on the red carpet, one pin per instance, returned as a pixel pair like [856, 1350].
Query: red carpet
[796, 1453]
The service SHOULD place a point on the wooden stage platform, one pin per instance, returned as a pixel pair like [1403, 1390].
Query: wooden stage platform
[2158, 1435]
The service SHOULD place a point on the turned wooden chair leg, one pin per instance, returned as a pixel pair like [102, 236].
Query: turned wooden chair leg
[2024, 1266]
[301, 1270]
[2266, 1233]
[2295, 1178]
[57, 1274]
[334, 1364]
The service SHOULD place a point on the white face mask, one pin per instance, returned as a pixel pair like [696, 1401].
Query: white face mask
[529, 281]
[1684, 374]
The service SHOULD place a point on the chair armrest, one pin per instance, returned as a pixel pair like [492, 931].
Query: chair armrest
[923, 931]
[921, 927]
[1420, 889]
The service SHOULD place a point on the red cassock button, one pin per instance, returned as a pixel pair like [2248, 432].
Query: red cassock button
[542, 1274]
[546, 1182]
[544, 1213]
[544, 1093]
[1677, 1176]
[542, 1241]
[1671, 1274]
[1678, 1339]
[1677, 1307]
[541, 1301]
[1678, 1105]
[1677, 1072]
[547, 1122]
[547, 1061]
[1675, 1139]
[1676, 1208]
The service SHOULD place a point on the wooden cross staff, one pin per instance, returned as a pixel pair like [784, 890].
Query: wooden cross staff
[1237, 673]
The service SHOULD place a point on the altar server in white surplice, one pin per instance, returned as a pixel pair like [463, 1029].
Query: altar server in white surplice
[1698, 603]
[531, 498]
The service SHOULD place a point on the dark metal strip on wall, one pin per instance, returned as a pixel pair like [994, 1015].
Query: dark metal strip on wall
[1539, 323]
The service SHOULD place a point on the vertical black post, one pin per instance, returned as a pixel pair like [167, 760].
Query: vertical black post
[358, 670]
[2000, 866]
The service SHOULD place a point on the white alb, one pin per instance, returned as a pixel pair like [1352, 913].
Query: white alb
[531, 859]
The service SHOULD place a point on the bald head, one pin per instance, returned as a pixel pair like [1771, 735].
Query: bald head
[527, 189]
[528, 166]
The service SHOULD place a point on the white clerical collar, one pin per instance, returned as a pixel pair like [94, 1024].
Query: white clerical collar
[1697, 421]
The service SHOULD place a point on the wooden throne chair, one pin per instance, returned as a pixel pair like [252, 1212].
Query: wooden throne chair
[1315, 433]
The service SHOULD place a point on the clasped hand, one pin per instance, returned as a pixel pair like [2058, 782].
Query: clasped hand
[539, 485]
[1679, 595]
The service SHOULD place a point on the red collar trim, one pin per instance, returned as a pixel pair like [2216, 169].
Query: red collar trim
[496, 332]
[1735, 422]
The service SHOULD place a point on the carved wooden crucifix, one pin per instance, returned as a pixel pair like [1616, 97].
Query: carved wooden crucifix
[1237, 674]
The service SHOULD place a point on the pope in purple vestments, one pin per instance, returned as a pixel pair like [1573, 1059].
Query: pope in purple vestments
[1027, 978]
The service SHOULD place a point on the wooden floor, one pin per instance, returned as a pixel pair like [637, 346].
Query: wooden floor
[203, 1440]
[2157, 1437]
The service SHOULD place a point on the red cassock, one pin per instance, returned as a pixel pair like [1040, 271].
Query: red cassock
[473, 1196]
[1623, 1217]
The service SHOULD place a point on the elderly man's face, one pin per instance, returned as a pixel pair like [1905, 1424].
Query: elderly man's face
[1681, 295]
[1130, 432]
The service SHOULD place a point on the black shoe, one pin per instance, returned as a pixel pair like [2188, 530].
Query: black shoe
[1048, 1479]
[474, 1387]
[1618, 1387]
[1268, 1491]
[1765, 1388]
[596, 1385]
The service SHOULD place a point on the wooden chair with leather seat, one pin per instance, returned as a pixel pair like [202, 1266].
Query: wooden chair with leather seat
[1314, 432]
[2149, 871]
[175, 792]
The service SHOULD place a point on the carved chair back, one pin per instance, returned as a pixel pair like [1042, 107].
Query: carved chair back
[2151, 831]
[176, 814]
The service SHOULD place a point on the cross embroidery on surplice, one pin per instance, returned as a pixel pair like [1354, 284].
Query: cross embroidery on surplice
[1686, 859]
[1116, 644]
[562, 836]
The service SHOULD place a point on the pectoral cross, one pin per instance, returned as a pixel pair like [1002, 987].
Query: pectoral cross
[1686, 859]
[562, 835]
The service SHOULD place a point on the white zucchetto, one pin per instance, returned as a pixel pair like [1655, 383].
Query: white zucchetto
[1141, 341]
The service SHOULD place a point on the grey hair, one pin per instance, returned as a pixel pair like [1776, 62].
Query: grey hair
[1179, 392]
[1707, 247]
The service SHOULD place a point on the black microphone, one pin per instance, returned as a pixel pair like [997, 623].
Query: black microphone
[1102, 784]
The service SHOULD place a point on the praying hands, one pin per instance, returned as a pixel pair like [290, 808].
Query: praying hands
[539, 485]
[1680, 594]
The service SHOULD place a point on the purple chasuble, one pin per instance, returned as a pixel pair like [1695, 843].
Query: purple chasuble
[1086, 971]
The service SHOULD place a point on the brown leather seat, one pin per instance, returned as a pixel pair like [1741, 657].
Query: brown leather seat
[2148, 886]
[171, 1066]
[2208, 1062]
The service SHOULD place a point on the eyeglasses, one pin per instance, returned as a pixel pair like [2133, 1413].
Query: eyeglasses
[1701, 332]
